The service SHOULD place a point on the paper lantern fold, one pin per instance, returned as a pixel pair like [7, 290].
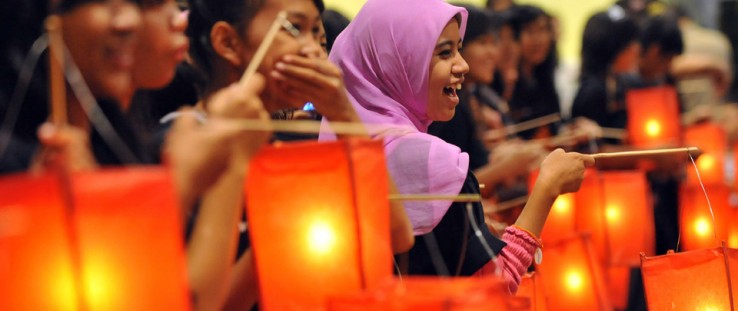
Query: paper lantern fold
[319, 221]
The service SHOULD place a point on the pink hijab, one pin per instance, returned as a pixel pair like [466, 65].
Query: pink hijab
[385, 56]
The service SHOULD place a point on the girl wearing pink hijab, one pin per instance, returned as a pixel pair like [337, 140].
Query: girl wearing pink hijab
[402, 66]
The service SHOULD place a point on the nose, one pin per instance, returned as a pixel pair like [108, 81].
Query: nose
[312, 48]
[460, 67]
[126, 18]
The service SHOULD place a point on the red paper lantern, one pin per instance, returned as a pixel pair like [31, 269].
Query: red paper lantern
[111, 240]
[653, 116]
[711, 139]
[696, 223]
[128, 226]
[35, 259]
[434, 294]
[319, 221]
[532, 287]
[617, 211]
[572, 276]
[695, 280]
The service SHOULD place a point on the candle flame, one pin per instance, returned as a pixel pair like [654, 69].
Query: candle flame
[653, 128]
[321, 238]
[563, 204]
[574, 281]
[612, 213]
[702, 227]
[706, 162]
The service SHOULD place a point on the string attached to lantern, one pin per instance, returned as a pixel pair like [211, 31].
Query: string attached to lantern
[709, 205]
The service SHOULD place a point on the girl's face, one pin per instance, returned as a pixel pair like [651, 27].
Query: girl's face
[627, 60]
[162, 44]
[447, 69]
[304, 16]
[101, 38]
[535, 41]
[481, 55]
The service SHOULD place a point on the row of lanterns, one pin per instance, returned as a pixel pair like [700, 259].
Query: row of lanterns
[319, 223]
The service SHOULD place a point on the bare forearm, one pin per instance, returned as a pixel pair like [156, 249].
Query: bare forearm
[213, 245]
[535, 212]
[243, 290]
[401, 229]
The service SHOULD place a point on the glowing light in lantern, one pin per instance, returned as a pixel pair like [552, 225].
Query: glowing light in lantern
[702, 227]
[563, 204]
[733, 241]
[706, 162]
[321, 238]
[653, 128]
[612, 213]
[574, 281]
[63, 291]
[709, 308]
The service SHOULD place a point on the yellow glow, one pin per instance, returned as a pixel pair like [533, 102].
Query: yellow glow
[563, 204]
[653, 128]
[612, 212]
[321, 238]
[63, 290]
[574, 281]
[702, 227]
[100, 284]
[733, 240]
[709, 308]
[706, 162]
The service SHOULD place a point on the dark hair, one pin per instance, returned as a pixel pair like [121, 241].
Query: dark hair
[664, 32]
[205, 13]
[523, 15]
[606, 35]
[479, 22]
[334, 23]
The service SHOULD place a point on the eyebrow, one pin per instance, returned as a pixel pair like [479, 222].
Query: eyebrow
[447, 42]
[444, 43]
[302, 16]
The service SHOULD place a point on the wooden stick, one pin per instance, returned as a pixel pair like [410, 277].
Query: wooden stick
[314, 127]
[503, 206]
[645, 152]
[522, 126]
[264, 46]
[436, 197]
[57, 88]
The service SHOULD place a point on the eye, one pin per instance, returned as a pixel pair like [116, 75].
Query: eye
[445, 53]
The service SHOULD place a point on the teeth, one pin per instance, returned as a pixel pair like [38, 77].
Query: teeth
[458, 87]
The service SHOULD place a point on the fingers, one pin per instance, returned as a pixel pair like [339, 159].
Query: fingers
[588, 160]
[323, 66]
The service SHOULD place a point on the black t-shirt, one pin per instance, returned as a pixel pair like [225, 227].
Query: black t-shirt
[462, 251]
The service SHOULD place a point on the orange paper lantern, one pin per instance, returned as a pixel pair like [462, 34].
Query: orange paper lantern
[36, 266]
[434, 294]
[560, 222]
[128, 226]
[653, 116]
[319, 221]
[110, 240]
[696, 222]
[711, 139]
[695, 280]
[572, 276]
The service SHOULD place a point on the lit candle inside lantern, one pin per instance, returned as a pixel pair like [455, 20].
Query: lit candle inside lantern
[653, 128]
[653, 116]
[574, 281]
[612, 213]
[321, 238]
[733, 240]
[563, 204]
[702, 227]
[706, 162]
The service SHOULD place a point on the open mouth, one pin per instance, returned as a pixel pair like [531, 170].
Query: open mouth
[451, 90]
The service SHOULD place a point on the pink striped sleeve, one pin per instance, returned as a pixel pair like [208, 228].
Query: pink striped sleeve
[515, 258]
